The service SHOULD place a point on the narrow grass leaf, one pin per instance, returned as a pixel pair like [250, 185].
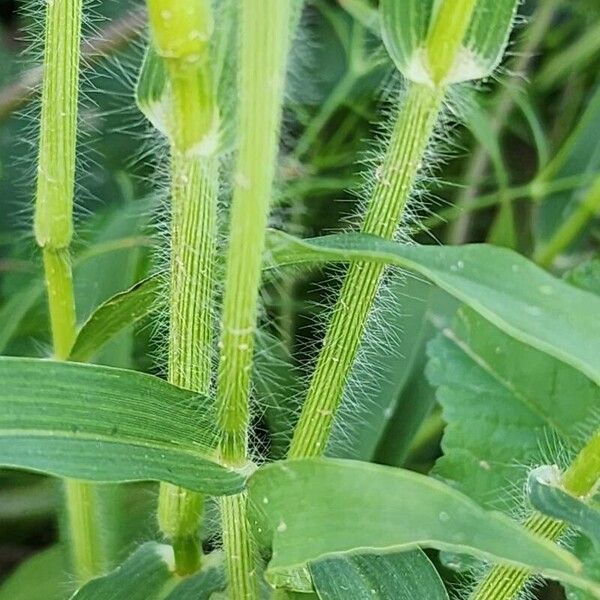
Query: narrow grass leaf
[402, 576]
[506, 289]
[107, 425]
[148, 574]
[311, 509]
[546, 495]
[114, 315]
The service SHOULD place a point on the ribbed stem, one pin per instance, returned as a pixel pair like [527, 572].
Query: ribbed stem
[506, 583]
[53, 225]
[181, 34]
[193, 234]
[265, 40]
[395, 180]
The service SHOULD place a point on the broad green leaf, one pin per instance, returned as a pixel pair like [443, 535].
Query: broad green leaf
[547, 496]
[407, 26]
[148, 574]
[114, 315]
[506, 289]
[107, 425]
[310, 509]
[503, 403]
[404, 576]
[41, 577]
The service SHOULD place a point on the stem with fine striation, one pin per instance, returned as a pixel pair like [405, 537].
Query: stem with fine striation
[265, 40]
[395, 181]
[53, 225]
[507, 583]
[181, 35]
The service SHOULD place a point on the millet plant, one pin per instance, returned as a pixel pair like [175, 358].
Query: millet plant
[446, 399]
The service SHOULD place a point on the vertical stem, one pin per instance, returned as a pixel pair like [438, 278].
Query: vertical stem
[53, 225]
[588, 208]
[181, 34]
[193, 234]
[395, 181]
[265, 40]
[507, 583]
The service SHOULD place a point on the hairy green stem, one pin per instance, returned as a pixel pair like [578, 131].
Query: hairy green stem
[395, 180]
[507, 583]
[193, 234]
[181, 34]
[265, 40]
[588, 208]
[53, 225]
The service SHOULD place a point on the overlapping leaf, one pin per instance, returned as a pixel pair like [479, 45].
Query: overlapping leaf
[506, 405]
[107, 425]
[310, 509]
[502, 286]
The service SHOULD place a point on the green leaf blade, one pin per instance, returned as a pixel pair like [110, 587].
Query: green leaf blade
[114, 315]
[107, 425]
[506, 289]
[402, 576]
[343, 507]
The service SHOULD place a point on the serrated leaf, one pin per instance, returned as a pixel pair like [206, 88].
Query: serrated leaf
[407, 28]
[311, 509]
[149, 574]
[404, 576]
[114, 315]
[508, 290]
[548, 497]
[107, 425]
[503, 402]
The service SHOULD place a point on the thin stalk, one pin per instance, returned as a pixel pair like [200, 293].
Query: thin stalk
[181, 35]
[411, 135]
[395, 182]
[587, 209]
[53, 225]
[193, 234]
[479, 162]
[506, 583]
[265, 40]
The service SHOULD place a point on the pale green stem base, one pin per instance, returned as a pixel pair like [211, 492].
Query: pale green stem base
[238, 547]
[396, 178]
[507, 583]
[86, 547]
[86, 544]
